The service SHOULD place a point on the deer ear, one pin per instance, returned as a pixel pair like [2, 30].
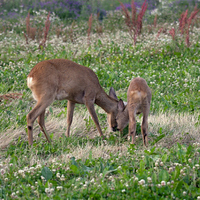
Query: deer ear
[121, 105]
[112, 93]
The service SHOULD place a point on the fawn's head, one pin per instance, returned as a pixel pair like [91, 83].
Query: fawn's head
[122, 116]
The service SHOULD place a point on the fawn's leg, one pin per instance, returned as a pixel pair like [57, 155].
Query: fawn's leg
[132, 125]
[144, 126]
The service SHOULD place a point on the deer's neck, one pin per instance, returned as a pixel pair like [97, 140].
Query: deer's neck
[106, 102]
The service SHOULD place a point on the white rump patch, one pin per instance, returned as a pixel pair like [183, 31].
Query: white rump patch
[30, 81]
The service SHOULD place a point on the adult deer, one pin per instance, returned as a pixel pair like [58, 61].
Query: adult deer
[138, 101]
[60, 79]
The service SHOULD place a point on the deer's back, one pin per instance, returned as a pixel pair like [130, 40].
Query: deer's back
[63, 77]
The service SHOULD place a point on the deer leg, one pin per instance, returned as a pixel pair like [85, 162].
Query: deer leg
[144, 126]
[31, 117]
[90, 107]
[70, 111]
[132, 125]
[42, 125]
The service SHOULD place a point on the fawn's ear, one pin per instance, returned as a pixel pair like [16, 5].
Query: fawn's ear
[112, 93]
[121, 105]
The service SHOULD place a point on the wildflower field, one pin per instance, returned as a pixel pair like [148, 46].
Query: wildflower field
[156, 40]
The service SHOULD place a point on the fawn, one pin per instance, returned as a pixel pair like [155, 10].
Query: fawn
[138, 101]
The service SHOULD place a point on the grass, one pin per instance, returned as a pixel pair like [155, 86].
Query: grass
[83, 166]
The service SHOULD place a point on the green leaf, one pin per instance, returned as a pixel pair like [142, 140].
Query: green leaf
[176, 172]
[46, 172]
[90, 155]
[164, 157]
[186, 186]
[74, 169]
[158, 139]
[51, 110]
[179, 186]
[163, 175]
[189, 150]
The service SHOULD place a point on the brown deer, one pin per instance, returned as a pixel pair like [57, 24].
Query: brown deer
[138, 101]
[59, 79]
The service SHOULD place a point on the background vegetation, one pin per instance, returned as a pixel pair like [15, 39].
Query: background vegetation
[166, 54]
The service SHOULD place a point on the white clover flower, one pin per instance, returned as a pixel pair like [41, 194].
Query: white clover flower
[163, 183]
[141, 182]
[58, 175]
[170, 169]
[38, 166]
[25, 168]
[47, 190]
[184, 193]
[156, 164]
[136, 178]
[78, 179]
[119, 167]
[197, 166]
[189, 160]
[198, 198]
[161, 163]
[62, 178]
[42, 177]
[20, 171]
[51, 190]
[92, 181]
[59, 187]
[149, 179]
[123, 190]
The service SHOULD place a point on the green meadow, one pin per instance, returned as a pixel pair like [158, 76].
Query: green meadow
[166, 54]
